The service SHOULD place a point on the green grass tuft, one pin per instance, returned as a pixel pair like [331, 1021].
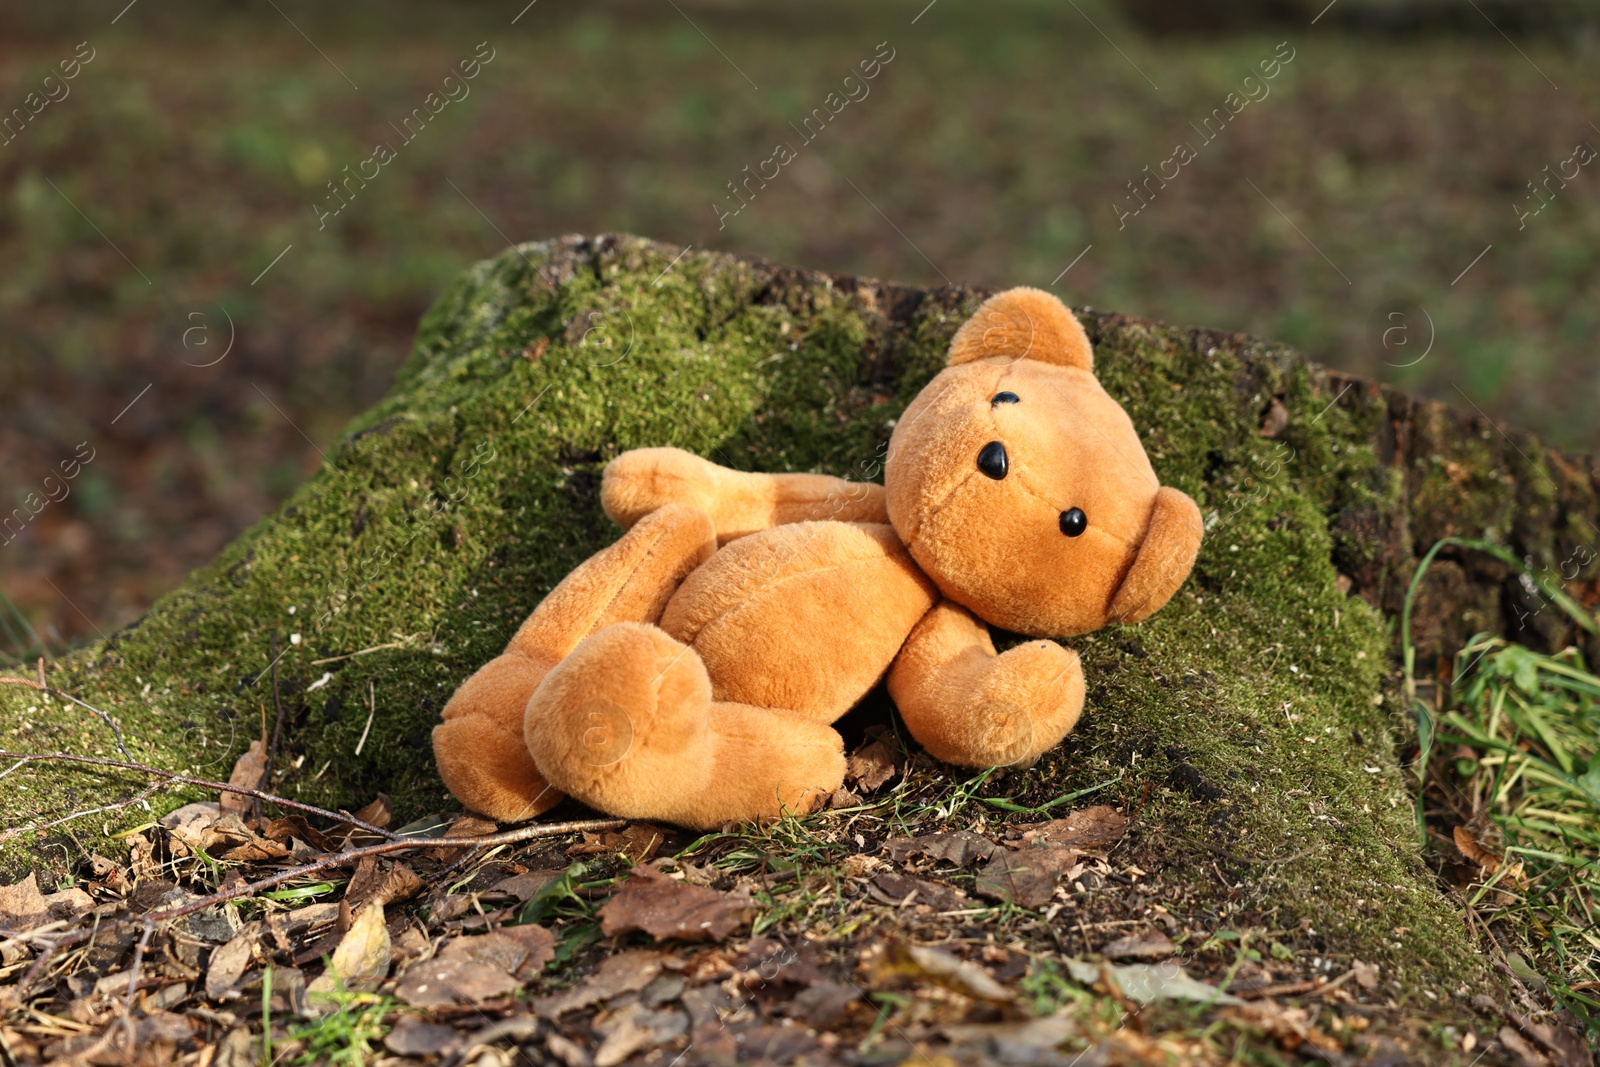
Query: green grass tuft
[1528, 727]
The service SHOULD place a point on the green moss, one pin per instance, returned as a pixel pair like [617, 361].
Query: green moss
[1244, 717]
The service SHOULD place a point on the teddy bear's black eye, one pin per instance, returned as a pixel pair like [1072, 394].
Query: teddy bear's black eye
[1074, 522]
[992, 460]
[1005, 398]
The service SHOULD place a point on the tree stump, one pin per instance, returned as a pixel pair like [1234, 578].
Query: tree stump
[1255, 727]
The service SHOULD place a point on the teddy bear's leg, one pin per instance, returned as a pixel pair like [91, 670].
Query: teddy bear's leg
[479, 746]
[626, 724]
[739, 502]
[969, 706]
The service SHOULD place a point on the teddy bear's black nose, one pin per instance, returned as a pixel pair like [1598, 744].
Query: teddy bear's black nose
[992, 460]
[1006, 397]
[1074, 522]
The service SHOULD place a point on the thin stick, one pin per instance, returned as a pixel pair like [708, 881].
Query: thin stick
[510, 837]
[138, 961]
[362, 652]
[94, 761]
[372, 710]
[137, 798]
[53, 691]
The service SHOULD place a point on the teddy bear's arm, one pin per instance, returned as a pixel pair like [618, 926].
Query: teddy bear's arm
[739, 503]
[968, 706]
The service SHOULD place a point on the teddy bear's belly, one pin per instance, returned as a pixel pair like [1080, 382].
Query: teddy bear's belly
[804, 616]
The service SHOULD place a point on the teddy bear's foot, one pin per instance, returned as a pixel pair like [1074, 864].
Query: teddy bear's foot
[479, 745]
[969, 706]
[627, 725]
[642, 480]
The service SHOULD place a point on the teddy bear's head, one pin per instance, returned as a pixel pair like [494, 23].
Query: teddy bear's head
[1020, 486]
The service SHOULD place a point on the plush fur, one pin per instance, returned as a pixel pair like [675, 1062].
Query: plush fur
[690, 672]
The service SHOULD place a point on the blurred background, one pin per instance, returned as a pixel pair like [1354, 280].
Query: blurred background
[186, 323]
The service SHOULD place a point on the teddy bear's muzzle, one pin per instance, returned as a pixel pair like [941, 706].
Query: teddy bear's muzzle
[1165, 558]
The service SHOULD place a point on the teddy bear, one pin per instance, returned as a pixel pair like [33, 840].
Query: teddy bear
[690, 672]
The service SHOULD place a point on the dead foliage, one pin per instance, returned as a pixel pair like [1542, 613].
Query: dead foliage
[230, 935]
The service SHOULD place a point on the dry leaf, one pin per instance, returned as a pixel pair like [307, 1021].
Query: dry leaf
[1025, 877]
[1150, 945]
[378, 813]
[413, 1037]
[1563, 1043]
[1017, 1042]
[871, 766]
[901, 890]
[191, 819]
[626, 972]
[22, 906]
[666, 908]
[824, 1006]
[486, 950]
[960, 847]
[1093, 827]
[539, 943]
[385, 883]
[441, 983]
[255, 851]
[567, 1051]
[1471, 848]
[762, 1043]
[842, 798]
[634, 1028]
[902, 961]
[1148, 982]
[362, 958]
[524, 886]
[1526, 1054]
[248, 771]
[1291, 1027]
[294, 827]
[638, 841]
[229, 963]
[465, 826]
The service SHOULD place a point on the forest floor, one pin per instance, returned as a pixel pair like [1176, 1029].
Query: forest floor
[232, 934]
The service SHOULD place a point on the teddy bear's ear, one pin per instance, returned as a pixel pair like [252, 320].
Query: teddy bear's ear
[1023, 323]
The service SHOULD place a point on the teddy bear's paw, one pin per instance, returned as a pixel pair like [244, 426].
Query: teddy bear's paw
[1006, 712]
[1029, 699]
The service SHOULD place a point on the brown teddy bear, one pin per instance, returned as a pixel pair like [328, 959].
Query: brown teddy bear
[689, 672]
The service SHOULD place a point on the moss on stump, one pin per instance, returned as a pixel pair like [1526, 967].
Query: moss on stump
[1255, 722]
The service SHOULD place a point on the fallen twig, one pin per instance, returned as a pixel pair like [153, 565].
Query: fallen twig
[340, 859]
[362, 652]
[1293, 989]
[179, 779]
[53, 691]
[138, 798]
